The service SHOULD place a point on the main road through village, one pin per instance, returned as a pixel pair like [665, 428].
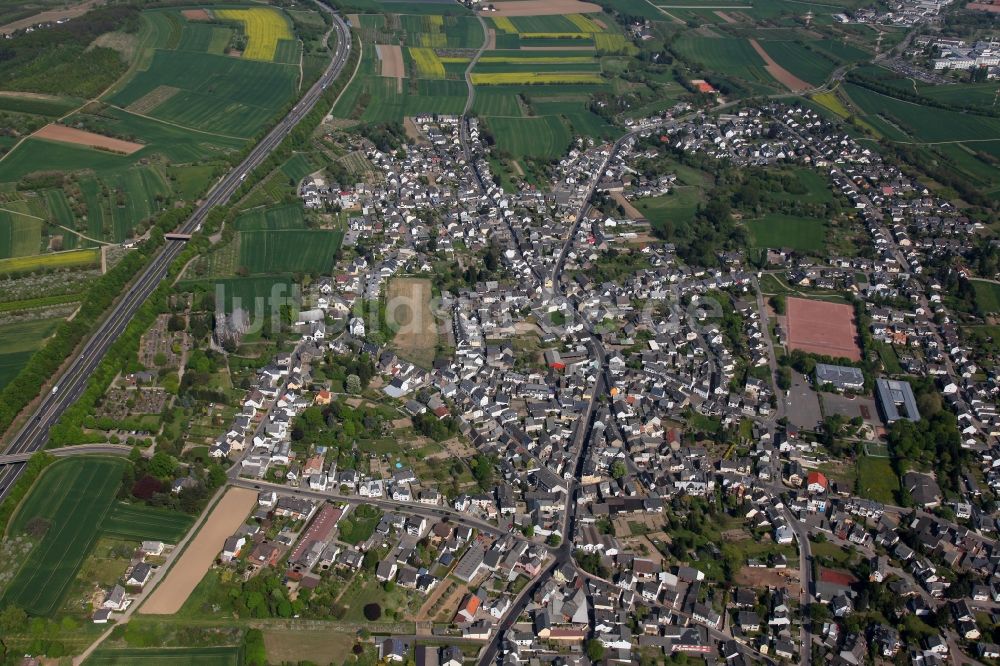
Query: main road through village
[73, 381]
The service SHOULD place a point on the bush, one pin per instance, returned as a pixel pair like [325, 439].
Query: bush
[372, 612]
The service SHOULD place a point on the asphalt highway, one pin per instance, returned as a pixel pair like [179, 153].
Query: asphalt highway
[34, 435]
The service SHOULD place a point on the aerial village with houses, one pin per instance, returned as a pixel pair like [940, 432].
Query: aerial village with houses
[641, 414]
[642, 459]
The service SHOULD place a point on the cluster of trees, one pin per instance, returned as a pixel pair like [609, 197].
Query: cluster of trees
[931, 443]
[614, 265]
[387, 137]
[762, 191]
[148, 480]
[429, 425]
[59, 59]
[482, 470]
[341, 367]
[336, 425]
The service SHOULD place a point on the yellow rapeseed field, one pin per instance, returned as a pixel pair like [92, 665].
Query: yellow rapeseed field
[584, 23]
[428, 64]
[536, 60]
[534, 78]
[505, 24]
[433, 40]
[264, 27]
[70, 258]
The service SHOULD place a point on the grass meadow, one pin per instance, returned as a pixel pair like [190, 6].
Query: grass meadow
[778, 231]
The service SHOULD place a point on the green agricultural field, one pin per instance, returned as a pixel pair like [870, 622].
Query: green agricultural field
[18, 341]
[277, 218]
[497, 101]
[206, 656]
[903, 120]
[436, 31]
[215, 93]
[204, 38]
[810, 66]
[797, 233]
[73, 497]
[20, 233]
[292, 250]
[374, 99]
[59, 208]
[259, 295]
[40, 155]
[967, 160]
[987, 296]
[297, 167]
[140, 522]
[731, 56]
[543, 137]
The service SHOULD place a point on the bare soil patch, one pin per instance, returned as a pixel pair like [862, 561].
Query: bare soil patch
[761, 578]
[630, 210]
[782, 75]
[543, 8]
[725, 17]
[391, 57]
[412, 131]
[994, 9]
[65, 134]
[188, 571]
[824, 328]
[355, 20]
[152, 99]
[30, 95]
[491, 39]
[122, 42]
[408, 311]
[196, 15]
[50, 15]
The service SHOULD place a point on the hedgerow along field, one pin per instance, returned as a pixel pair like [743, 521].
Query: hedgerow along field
[73, 502]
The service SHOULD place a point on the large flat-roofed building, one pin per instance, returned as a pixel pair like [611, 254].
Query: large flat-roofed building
[896, 400]
[842, 377]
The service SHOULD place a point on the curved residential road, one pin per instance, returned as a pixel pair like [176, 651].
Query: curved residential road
[33, 436]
